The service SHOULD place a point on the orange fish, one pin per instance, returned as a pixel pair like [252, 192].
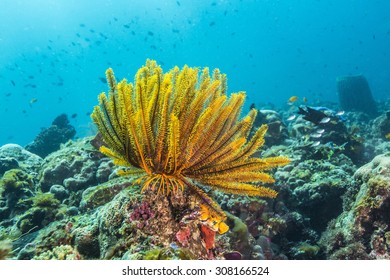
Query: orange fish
[292, 99]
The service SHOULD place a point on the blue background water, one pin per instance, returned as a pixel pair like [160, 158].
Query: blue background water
[53, 54]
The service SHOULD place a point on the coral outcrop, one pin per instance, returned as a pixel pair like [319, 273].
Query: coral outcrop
[50, 139]
[355, 94]
[362, 231]
[76, 166]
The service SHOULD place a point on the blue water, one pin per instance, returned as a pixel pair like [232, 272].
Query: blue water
[53, 54]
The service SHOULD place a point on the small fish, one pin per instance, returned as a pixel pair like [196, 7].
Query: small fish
[325, 120]
[292, 99]
[340, 113]
[178, 3]
[150, 33]
[33, 100]
[212, 23]
[126, 26]
[320, 130]
[291, 118]
[304, 99]
[315, 144]
[12, 82]
[74, 115]
[174, 246]
[103, 80]
[387, 136]
[315, 135]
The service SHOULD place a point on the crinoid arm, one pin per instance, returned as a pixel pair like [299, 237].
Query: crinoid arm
[180, 131]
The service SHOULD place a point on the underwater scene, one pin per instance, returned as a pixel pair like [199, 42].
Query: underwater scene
[195, 130]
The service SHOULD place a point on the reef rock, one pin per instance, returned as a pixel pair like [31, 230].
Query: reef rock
[15, 156]
[277, 130]
[317, 187]
[50, 139]
[362, 231]
[76, 166]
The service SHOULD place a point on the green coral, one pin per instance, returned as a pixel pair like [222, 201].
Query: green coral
[308, 250]
[101, 194]
[169, 254]
[5, 249]
[240, 234]
[62, 252]
[44, 209]
[45, 200]
[373, 196]
[14, 180]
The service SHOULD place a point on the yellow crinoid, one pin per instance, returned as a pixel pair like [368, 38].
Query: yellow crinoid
[179, 131]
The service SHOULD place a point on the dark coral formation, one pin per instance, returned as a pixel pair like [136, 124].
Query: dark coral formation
[50, 139]
[355, 94]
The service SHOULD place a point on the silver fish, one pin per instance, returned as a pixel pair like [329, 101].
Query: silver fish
[340, 113]
[320, 130]
[315, 135]
[325, 120]
[291, 118]
[315, 144]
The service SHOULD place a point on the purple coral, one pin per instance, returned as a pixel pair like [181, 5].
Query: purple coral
[142, 214]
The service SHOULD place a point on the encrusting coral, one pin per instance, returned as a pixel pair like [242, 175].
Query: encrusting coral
[179, 131]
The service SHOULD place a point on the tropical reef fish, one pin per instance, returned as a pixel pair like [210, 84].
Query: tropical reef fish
[387, 136]
[292, 99]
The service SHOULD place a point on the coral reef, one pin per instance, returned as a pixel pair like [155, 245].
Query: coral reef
[15, 187]
[361, 232]
[50, 139]
[76, 166]
[332, 203]
[277, 130]
[317, 188]
[13, 156]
